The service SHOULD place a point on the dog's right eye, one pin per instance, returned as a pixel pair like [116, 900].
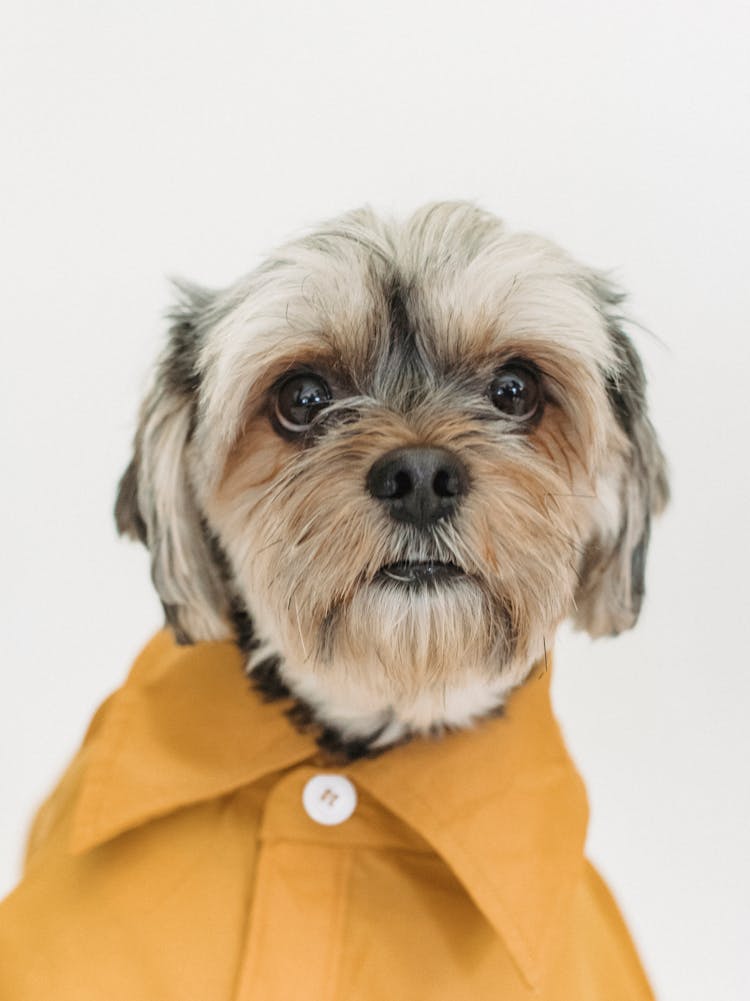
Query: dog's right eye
[298, 399]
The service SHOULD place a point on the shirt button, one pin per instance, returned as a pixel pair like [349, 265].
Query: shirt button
[329, 799]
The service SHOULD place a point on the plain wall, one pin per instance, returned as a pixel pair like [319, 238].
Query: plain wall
[148, 139]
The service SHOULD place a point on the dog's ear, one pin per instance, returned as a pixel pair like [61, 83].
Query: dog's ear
[156, 502]
[612, 571]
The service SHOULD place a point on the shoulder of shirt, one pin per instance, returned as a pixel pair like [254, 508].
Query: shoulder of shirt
[52, 819]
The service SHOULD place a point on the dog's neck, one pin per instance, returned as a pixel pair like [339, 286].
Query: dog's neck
[351, 722]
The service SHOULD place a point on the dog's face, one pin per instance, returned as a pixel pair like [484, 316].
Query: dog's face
[408, 451]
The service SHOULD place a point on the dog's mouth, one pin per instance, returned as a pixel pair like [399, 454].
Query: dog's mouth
[419, 573]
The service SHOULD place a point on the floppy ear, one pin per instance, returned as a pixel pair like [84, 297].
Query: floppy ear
[156, 499]
[612, 572]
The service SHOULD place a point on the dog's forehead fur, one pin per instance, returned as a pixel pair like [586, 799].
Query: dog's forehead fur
[368, 298]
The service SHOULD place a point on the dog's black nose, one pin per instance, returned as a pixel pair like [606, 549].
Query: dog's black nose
[419, 485]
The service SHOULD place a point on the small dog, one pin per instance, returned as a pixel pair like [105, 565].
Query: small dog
[390, 462]
[384, 467]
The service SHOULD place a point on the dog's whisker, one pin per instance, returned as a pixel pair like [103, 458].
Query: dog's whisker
[301, 632]
[275, 542]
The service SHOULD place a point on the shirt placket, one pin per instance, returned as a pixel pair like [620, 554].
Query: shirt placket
[297, 913]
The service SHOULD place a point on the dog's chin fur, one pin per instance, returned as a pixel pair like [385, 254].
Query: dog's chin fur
[407, 324]
[461, 662]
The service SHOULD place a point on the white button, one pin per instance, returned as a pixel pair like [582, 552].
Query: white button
[329, 799]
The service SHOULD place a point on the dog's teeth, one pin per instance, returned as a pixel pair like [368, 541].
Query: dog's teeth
[393, 576]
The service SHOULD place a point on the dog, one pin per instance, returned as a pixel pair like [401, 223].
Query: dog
[375, 476]
[391, 461]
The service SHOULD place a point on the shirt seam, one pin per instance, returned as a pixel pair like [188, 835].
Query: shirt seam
[337, 950]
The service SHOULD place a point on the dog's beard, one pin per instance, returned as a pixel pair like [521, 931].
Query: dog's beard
[418, 634]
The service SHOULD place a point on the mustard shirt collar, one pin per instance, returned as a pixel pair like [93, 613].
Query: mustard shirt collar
[501, 804]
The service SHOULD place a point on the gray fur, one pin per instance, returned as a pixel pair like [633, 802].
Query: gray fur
[156, 502]
[612, 574]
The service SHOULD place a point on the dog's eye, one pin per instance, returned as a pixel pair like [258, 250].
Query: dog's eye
[298, 399]
[516, 390]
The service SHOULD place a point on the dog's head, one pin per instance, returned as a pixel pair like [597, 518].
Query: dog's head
[408, 451]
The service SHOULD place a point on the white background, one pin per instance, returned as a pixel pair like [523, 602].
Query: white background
[148, 139]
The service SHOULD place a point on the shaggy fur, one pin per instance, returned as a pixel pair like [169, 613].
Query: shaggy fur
[407, 323]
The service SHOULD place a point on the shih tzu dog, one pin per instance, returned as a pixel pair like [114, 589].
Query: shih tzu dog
[390, 462]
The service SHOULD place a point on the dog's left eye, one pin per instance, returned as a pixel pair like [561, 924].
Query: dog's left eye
[516, 390]
[298, 399]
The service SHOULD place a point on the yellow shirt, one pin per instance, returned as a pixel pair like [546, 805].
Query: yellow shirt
[176, 861]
